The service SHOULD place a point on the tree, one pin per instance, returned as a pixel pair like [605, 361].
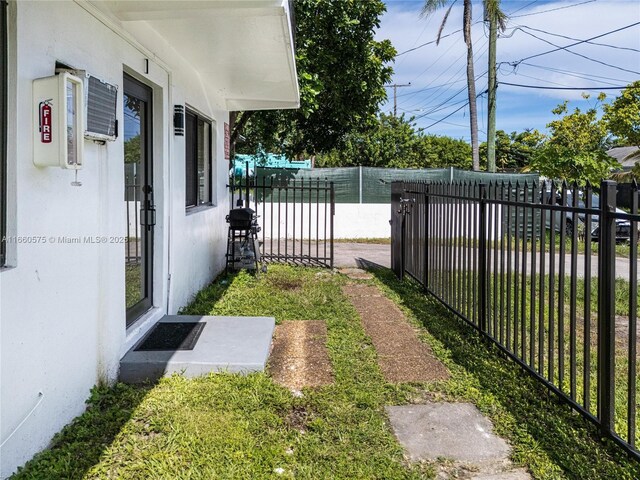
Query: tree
[132, 150]
[622, 116]
[394, 143]
[575, 149]
[342, 71]
[429, 7]
[513, 151]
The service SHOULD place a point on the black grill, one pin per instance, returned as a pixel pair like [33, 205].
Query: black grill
[242, 218]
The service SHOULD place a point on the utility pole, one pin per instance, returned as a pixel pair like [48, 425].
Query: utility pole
[492, 17]
[395, 95]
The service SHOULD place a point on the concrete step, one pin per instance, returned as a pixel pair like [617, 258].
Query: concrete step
[229, 344]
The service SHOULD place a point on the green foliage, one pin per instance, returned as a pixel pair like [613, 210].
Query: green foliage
[622, 116]
[393, 142]
[132, 150]
[575, 148]
[514, 151]
[342, 71]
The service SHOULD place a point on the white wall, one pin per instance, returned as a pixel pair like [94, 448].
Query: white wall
[364, 220]
[351, 220]
[62, 311]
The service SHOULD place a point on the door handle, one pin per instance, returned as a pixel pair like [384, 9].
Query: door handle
[148, 216]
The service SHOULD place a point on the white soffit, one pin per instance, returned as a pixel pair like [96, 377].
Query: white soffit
[242, 48]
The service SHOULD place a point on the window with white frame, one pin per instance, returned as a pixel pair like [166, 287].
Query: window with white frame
[198, 158]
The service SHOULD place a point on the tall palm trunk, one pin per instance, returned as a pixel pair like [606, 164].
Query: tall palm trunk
[471, 87]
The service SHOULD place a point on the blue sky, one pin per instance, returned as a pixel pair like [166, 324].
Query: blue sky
[441, 69]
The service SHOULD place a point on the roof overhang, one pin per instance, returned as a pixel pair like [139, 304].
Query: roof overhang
[243, 49]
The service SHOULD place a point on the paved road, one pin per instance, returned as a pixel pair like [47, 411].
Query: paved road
[355, 254]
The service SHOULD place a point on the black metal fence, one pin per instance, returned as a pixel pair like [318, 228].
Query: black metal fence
[295, 217]
[548, 272]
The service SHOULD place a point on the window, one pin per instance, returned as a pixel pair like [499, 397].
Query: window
[198, 160]
[3, 131]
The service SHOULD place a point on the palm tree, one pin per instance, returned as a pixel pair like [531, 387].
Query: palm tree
[431, 6]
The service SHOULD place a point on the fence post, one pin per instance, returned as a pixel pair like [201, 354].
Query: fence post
[403, 235]
[332, 198]
[482, 257]
[396, 228]
[606, 307]
[360, 183]
[426, 237]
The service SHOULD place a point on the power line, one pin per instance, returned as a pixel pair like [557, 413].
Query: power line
[543, 80]
[584, 76]
[566, 48]
[580, 55]
[444, 118]
[418, 38]
[452, 113]
[564, 88]
[443, 105]
[551, 9]
[435, 41]
[509, 15]
[458, 76]
[442, 55]
[429, 88]
[428, 43]
[576, 39]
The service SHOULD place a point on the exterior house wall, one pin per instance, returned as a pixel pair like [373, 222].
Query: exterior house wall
[62, 310]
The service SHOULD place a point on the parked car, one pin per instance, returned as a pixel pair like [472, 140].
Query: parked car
[623, 232]
[623, 227]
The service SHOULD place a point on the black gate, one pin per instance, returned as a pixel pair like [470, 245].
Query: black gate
[295, 217]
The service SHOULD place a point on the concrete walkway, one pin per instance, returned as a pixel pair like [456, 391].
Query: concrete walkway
[363, 254]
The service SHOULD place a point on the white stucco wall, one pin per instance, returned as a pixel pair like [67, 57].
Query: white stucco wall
[62, 311]
[351, 220]
[362, 220]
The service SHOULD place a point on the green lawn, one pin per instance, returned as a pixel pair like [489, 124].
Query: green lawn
[246, 427]
[570, 378]
[133, 284]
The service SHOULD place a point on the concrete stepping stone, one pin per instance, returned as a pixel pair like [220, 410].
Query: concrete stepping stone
[225, 344]
[457, 432]
[299, 356]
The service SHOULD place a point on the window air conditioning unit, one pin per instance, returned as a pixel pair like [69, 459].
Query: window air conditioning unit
[101, 103]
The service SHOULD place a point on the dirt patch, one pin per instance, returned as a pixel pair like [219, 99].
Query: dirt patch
[621, 331]
[291, 285]
[360, 290]
[297, 418]
[401, 355]
[299, 355]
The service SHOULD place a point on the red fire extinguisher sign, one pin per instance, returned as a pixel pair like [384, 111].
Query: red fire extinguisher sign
[45, 122]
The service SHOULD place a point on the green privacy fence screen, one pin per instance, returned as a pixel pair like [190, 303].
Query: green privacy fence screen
[373, 185]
